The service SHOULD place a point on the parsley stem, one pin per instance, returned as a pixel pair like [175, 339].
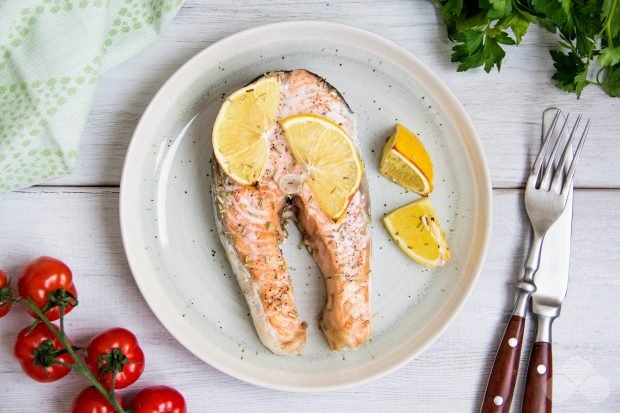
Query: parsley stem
[570, 44]
[594, 45]
[598, 74]
[607, 24]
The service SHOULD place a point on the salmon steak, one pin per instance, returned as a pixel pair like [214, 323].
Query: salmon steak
[251, 221]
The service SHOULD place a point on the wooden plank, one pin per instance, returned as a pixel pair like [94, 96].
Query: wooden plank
[505, 107]
[80, 225]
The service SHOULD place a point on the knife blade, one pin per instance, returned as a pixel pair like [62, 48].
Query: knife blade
[551, 282]
[551, 279]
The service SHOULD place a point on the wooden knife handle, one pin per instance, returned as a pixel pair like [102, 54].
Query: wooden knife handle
[501, 385]
[538, 386]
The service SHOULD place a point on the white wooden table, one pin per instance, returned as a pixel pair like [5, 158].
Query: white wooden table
[75, 218]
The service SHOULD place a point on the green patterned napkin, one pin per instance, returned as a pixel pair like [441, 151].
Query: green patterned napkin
[52, 53]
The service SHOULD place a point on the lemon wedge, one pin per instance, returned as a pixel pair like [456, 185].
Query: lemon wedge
[326, 151]
[416, 230]
[242, 127]
[406, 162]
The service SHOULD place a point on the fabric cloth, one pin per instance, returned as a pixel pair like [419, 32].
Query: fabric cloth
[52, 54]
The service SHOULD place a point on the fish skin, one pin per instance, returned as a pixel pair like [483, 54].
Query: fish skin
[249, 221]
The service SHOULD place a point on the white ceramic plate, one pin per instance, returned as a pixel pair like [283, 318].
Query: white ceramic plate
[169, 230]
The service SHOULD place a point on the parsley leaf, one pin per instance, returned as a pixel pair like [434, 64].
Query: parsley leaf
[476, 47]
[468, 51]
[611, 85]
[493, 54]
[556, 11]
[588, 36]
[452, 8]
[518, 22]
[570, 73]
[609, 57]
[498, 9]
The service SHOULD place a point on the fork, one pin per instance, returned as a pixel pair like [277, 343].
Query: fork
[546, 193]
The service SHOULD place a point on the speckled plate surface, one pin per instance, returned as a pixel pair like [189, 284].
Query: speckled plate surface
[169, 230]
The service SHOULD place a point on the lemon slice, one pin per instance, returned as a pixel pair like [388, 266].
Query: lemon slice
[416, 230]
[326, 151]
[242, 128]
[406, 162]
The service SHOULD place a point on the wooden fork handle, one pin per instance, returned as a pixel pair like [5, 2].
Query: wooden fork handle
[538, 386]
[501, 385]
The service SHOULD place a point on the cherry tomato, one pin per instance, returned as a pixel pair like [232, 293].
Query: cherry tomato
[38, 351]
[158, 399]
[117, 351]
[46, 280]
[5, 294]
[90, 400]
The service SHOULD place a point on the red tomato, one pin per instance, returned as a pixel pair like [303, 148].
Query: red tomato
[5, 294]
[90, 400]
[37, 352]
[116, 350]
[46, 280]
[158, 399]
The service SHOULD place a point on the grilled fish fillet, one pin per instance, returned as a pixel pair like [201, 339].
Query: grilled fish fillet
[250, 222]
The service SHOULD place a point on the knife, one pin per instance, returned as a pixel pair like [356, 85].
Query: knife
[551, 281]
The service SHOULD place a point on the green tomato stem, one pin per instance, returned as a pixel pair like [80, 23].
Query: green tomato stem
[61, 308]
[112, 377]
[79, 366]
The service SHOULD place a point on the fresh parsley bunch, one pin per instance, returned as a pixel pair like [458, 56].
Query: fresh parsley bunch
[589, 32]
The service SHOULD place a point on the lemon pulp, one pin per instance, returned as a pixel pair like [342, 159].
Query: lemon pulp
[242, 127]
[333, 166]
[416, 230]
[405, 161]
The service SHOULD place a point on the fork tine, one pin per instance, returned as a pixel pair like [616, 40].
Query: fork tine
[541, 154]
[571, 171]
[548, 170]
[559, 172]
